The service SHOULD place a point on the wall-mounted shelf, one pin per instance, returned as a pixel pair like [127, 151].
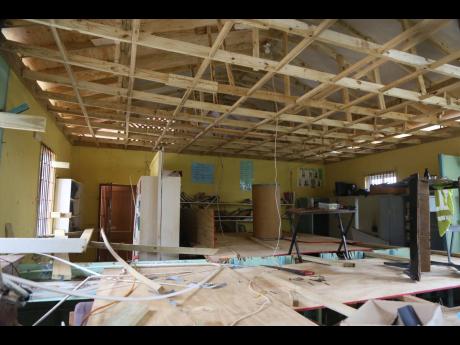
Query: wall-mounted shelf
[223, 203]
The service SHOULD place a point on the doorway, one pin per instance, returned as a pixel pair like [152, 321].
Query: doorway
[116, 217]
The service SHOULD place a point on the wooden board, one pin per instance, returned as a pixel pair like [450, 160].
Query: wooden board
[61, 271]
[219, 306]
[369, 279]
[22, 122]
[18, 245]
[232, 245]
[156, 249]
[9, 262]
[197, 227]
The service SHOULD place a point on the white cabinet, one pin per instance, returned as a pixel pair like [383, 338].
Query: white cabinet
[170, 214]
[157, 215]
[66, 209]
[380, 216]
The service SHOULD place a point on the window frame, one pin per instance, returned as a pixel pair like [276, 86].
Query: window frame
[380, 175]
[45, 193]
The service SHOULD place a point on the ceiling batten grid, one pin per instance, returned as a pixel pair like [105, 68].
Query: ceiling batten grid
[72, 79]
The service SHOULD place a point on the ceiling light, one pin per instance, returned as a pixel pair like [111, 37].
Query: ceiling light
[376, 142]
[360, 141]
[402, 135]
[432, 128]
[352, 147]
[336, 152]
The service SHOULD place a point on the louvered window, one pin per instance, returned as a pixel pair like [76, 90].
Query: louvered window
[45, 192]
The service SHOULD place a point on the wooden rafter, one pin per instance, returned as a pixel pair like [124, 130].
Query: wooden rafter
[72, 78]
[231, 113]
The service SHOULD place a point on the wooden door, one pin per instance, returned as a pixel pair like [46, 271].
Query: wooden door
[116, 217]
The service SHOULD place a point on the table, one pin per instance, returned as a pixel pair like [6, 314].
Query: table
[296, 213]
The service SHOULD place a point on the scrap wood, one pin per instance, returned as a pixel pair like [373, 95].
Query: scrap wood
[157, 287]
[131, 315]
[310, 296]
[156, 249]
[344, 263]
[61, 271]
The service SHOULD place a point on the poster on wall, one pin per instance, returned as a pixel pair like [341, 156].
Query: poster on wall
[246, 169]
[202, 173]
[308, 177]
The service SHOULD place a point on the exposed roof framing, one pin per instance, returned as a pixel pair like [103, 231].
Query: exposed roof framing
[323, 90]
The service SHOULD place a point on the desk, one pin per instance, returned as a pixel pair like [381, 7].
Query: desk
[296, 213]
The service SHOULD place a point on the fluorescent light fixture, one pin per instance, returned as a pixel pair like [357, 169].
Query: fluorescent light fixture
[403, 135]
[432, 128]
[376, 142]
[336, 152]
[352, 147]
[360, 141]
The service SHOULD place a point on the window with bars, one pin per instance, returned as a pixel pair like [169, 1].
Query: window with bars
[45, 192]
[379, 178]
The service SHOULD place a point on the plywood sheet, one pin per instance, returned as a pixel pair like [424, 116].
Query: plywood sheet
[220, 306]
[369, 279]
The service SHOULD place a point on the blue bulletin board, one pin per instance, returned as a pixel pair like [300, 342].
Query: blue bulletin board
[202, 173]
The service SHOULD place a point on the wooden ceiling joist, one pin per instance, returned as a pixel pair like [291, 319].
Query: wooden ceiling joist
[203, 86]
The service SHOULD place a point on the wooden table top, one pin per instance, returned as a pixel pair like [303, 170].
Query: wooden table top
[301, 211]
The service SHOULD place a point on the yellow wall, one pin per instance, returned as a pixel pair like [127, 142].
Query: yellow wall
[19, 163]
[93, 166]
[405, 162]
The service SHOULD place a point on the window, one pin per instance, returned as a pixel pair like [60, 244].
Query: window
[384, 177]
[45, 192]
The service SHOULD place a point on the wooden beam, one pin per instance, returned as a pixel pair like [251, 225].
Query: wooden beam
[156, 249]
[186, 48]
[71, 76]
[204, 65]
[24, 245]
[22, 122]
[136, 23]
[353, 43]
[285, 61]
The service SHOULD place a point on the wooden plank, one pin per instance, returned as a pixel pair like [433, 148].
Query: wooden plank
[151, 284]
[63, 52]
[237, 299]
[61, 271]
[181, 47]
[311, 295]
[156, 249]
[61, 214]
[86, 237]
[328, 262]
[18, 245]
[22, 122]
[41, 245]
[130, 315]
[60, 165]
[8, 263]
